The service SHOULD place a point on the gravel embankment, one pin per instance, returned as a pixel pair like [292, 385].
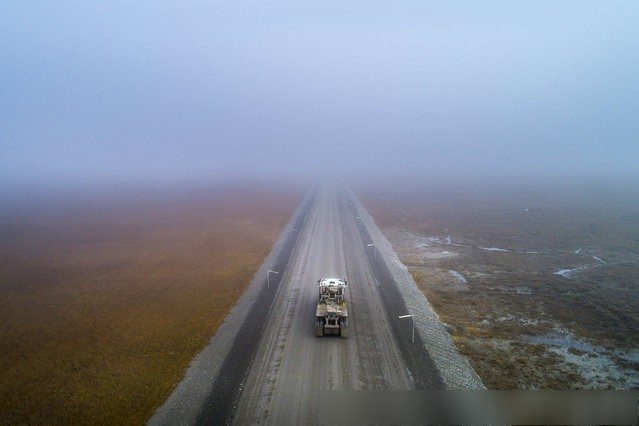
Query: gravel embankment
[454, 369]
[187, 401]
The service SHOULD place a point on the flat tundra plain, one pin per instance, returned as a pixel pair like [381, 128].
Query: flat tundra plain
[107, 294]
[537, 282]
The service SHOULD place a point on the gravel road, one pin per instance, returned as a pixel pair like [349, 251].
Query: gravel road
[292, 365]
[265, 364]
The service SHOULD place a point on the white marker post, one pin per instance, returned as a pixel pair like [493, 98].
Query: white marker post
[268, 277]
[375, 252]
[413, 317]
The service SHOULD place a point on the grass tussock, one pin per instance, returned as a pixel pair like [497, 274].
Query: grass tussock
[104, 302]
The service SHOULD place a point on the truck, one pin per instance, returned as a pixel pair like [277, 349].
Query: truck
[331, 313]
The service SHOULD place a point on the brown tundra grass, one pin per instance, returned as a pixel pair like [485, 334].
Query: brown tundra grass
[105, 300]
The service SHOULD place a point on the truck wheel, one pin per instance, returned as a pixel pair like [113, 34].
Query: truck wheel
[319, 328]
[343, 329]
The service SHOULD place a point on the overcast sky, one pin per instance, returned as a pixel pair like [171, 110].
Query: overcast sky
[171, 90]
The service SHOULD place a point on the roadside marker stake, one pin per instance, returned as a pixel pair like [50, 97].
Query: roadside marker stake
[268, 277]
[413, 317]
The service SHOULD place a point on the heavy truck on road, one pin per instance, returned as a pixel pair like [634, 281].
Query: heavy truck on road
[331, 313]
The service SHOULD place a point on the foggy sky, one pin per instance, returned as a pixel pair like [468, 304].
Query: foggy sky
[159, 90]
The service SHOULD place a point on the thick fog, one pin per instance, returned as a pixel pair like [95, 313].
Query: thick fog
[165, 90]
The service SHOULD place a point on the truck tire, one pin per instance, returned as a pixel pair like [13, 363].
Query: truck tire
[319, 328]
[343, 329]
